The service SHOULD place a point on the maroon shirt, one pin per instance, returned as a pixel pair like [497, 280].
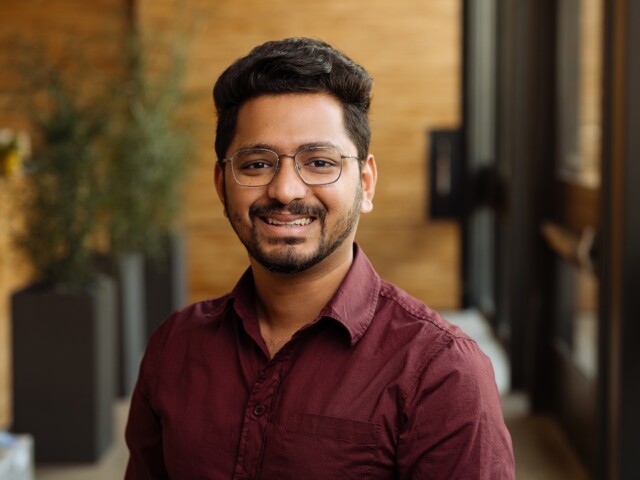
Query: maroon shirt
[378, 387]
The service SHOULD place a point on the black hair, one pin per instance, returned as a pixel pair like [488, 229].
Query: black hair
[294, 65]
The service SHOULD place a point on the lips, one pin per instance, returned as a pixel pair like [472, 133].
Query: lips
[298, 222]
[295, 214]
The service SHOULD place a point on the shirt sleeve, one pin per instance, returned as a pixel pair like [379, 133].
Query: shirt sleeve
[452, 425]
[144, 430]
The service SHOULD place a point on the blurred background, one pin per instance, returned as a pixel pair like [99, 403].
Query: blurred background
[505, 135]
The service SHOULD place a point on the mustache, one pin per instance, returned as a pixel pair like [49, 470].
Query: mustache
[295, 208]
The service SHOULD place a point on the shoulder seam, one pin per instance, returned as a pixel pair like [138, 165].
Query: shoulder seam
[419, 315]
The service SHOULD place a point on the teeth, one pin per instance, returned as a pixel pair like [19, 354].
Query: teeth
[299, 222]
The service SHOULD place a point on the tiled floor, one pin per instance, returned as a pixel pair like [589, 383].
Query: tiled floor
[540, 448]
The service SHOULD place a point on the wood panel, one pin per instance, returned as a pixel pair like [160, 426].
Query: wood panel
[411, 48]
[12, 274]
[94, 28]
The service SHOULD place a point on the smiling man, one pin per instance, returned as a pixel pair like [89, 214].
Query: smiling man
[312, 367]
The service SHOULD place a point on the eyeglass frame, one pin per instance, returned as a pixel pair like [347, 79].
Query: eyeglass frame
[293, 156]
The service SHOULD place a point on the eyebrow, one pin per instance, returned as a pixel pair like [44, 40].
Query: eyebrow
[303, 146]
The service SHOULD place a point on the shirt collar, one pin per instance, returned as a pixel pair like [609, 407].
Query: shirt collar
[353, 305]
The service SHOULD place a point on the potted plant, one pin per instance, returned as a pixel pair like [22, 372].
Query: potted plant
[144, 175]
[63, 323]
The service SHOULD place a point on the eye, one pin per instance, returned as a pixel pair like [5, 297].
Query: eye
[254, 165]
[319, 159]
[320, 163]
[255, 160]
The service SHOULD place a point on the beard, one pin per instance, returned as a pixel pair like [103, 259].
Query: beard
[285, 257]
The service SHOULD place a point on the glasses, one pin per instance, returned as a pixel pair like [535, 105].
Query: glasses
[256, 167]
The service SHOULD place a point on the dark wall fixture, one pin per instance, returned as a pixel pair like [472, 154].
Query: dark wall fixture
[445, 175]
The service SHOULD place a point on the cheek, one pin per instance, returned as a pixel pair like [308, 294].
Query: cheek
[341, 203]
[237, 203]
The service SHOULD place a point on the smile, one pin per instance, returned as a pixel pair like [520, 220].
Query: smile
[298, 222]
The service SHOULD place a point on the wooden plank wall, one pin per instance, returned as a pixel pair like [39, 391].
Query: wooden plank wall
[94, 28]
[11, 276]
[412, 49]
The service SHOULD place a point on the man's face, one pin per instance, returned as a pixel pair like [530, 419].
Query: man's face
[289, 226]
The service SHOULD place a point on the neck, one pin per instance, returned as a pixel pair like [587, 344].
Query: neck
[285, 303]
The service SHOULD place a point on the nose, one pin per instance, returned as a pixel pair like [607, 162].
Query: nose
[287, 185]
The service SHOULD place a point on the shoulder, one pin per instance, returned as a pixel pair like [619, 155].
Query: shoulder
[435, 348]
[181, 333]
[450, 403]
[400, 310]
[392, 295]
[190, 318]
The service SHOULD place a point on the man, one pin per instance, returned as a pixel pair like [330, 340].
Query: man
[312, 367]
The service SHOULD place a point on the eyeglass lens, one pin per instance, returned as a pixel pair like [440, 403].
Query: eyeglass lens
[316, 166]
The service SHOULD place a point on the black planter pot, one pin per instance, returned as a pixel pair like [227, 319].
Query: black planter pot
[63, 370]
[165, 282]
[127, 272]
[131, 290]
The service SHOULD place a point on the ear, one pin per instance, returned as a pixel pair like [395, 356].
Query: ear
[218, 178]
[368, 177]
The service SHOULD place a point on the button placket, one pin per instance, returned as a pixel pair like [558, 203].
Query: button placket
[260, 404]
[256, 419]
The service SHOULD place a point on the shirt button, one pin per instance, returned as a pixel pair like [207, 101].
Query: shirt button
[259, 410]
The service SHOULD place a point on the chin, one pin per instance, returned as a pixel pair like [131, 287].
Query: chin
[287, 258]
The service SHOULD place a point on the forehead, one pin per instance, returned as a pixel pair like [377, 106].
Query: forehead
[286, 121]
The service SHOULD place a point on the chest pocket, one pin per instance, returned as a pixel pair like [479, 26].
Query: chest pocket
[313, 446]
[339, 429]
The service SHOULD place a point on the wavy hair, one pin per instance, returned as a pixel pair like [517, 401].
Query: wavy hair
[294, 65]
